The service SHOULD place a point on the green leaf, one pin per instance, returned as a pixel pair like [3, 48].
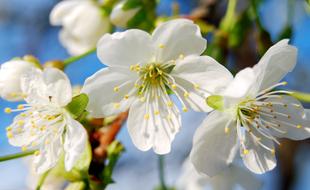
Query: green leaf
[216, 102]
[131, 4]
[77, 106]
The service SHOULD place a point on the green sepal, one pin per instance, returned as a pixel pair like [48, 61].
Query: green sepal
[215, 101]
[77, 106]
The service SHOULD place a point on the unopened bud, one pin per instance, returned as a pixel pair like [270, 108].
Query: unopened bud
[120, 17]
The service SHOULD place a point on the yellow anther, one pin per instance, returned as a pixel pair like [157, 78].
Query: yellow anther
[284, 83]
[181, 56]
[117, 105]
[9, 134]
[227, 130]
[156, 112]
[13, 94]
[169, 104]
[132, 67]
[8, 110]
[196, 86]
[24, 95]
[273, 152]
[51, 117]
[20, 122]
[34, 143]
[23, 114]
[24, 148]
[161, 45]
[185, 109]
[151, 67]
[136, 85]
[42, 128]
[174, 86]
[298, 126]
[147, 116]
[47, 142]
[142, 99]
[19, 130]
[116, 89]
[245, 151]
[9, 128]
[186, 94]
[37, 153]
[126, 96]
[20, 107]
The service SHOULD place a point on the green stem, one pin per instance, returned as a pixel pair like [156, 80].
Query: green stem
[17, 155]
[230, 17]
[42, 179]
[161, 168]
[76, 58]
[304, 97]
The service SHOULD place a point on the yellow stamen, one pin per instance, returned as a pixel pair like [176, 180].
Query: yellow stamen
[37, 153]
[298, 126]
[9, 128]
[116, 89]
[117, 105]
[20, 107]
[24, 148]
[245, 151]
[227, 130]
[186, 94]
[174, 86]
[181, 56]
[169, 104]
[147, 116]
[185, 109]
[156, 112]
[9, 134]
[161, 46]
[8, 110]
[20, 122]
[126, 96]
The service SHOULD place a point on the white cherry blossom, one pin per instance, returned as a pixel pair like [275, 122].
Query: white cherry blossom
[231, 178]
[10, 78]
[83, 24]
[250, 117]
[44, 124]
[142, 68]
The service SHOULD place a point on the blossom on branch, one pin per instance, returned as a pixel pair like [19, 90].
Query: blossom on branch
[143, 69]
[44, 124]
[83, 24]
[250, 117]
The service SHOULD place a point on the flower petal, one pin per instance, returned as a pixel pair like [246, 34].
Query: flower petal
[275, 64]
[10, 78]
[290, 118]
[75, 142]
[107, 90]
[61, 10]
[122, 49]
[199, 76]
[49, 155]
[244, 178]
[178, 37]
[51, 86]
[213, 149]
[258, 159]
[152, 124]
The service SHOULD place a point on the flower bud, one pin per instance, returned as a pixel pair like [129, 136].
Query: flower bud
[10, 75]
[120, 17]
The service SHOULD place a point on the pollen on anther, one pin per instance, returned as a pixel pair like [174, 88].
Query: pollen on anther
[184, 109]
[8, 110]
[20, 107]
[245, 151]
[156, 112]
[147, 116]
[174, 86]
[169, 104]
[126, 96]
[24, 148]
[21, 122]
[161, 46]
[181, 56]
[142, 99]
[227, 130]
[196, 86]
[186, 94]
[298, 126]
[37, 153]
[273, 152]
[117, 105]
[9, 134]
[116, 89]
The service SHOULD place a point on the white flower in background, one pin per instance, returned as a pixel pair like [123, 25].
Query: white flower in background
[44, 123]
[229, 179]
[251, 117]
[120, 17]
[10, 75]
[141, 69]
[83, 24]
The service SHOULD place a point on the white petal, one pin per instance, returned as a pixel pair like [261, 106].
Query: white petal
[122, 49]
[242, 84]
[178, 37]
[103, 100]
[51, 86]
[275, 64]
[120, 17]
[210, 76]
[244, 178]
[157, 131]
[259, 159]
[10, 78]
[61, 10]
[291, 118]
[213, 149]
[49, 155]
[75, 142]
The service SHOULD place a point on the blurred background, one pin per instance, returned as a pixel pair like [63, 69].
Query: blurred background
[25, 29]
